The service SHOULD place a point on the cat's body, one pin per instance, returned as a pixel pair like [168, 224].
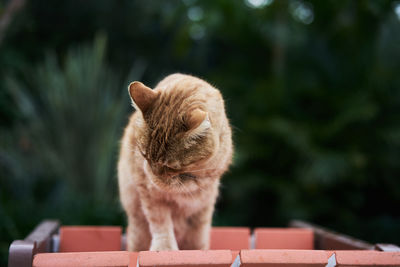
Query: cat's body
[173, 153]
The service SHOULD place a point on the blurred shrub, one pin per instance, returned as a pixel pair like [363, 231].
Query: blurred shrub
[59, 160]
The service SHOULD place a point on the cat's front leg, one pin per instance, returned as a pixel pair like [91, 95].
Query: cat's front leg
[138, 234]
[198, 233]
[163, 242]
[161, 227]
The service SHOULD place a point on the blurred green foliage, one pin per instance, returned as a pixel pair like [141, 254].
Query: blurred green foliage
[312, 89]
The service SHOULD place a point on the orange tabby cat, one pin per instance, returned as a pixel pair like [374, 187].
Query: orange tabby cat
[173, 153]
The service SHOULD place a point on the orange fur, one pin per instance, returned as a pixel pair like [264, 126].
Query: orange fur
[173, 153]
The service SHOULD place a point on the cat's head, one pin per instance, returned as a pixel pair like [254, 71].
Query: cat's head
[173, 133]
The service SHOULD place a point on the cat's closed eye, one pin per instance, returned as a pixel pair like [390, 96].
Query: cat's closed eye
[187, 176]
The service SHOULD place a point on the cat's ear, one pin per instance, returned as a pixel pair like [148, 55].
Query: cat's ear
[197, 121]
[142, 96]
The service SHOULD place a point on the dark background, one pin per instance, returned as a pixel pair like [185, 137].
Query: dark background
[311, 88]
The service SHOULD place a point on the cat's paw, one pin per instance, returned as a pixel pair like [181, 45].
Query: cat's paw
[163, 244]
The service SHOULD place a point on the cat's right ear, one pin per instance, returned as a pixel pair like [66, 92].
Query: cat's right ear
[142, 96]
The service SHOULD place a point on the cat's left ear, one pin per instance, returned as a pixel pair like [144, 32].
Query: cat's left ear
[197, 121]
[142, 96]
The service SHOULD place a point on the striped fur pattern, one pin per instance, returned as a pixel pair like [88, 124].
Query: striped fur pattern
[173, 153]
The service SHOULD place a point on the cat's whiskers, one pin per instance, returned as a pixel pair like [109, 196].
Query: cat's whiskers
[185, 189]
[201, 188]
[153, 183]
[206, 169]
